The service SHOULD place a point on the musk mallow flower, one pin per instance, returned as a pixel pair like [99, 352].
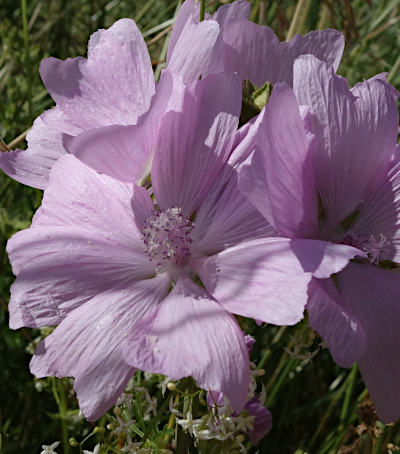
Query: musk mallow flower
[239, 45]
[328, 169]
[119, 268]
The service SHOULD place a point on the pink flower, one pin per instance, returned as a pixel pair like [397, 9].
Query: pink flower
[119, 271]
[329, 170]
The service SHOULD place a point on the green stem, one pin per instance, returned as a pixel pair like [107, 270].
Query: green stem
[60, 398]
[63, 411]
[202, 9]
[349, 390]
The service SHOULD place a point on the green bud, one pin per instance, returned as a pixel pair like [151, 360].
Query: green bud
[72, 441]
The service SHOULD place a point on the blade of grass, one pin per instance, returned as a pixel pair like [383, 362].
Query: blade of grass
[298, 18]
[27, 58]
[349, 390]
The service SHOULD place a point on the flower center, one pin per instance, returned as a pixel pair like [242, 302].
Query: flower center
[166, 236]
[374, 245]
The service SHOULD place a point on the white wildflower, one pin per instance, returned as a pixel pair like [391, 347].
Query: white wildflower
[50, 449]
[96, 450]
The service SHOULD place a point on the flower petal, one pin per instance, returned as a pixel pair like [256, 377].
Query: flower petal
[84, 237]
[285, 192]
[194, 145]
[226, 218]
[191, 335]
[87, 345]
[256, 54]
[343, 333]
[32, 166]
[267, 279]
[372, 295]
[188, 10]
[356, 134]
[239, 9]
[77, 196]
[126, 152]
[113, 86]
[196, 53]
[60, 268]
[262, 420]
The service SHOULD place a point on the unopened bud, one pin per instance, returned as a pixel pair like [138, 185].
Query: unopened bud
[240, 438]
[117, 411]
[259, 372]
[73, 442]
[171, 386]
[98, 429]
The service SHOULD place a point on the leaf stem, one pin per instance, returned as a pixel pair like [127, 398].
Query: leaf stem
[202, 9]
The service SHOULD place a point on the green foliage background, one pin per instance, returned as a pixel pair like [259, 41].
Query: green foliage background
[314, 404]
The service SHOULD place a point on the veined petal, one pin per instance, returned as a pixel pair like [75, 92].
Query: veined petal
[256, 54]
[343, 333]
[83, 238]
[226, 218]
[278, 179]
[196, 50]
[356, 134]
[239, 9]
[122, 152]
[60, 268]
[32, 166]
[190, 334]
[87, 345]
[126, 152]
[372, 295]
[77, 196]
[194, 145]
[113, 86]
[326, 45]
[187, 11]
[267, 279]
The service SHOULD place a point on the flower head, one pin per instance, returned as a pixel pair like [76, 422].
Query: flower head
[149, 278]
[327, 159]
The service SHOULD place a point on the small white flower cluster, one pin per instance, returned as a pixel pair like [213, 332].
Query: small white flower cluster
[221, 422]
